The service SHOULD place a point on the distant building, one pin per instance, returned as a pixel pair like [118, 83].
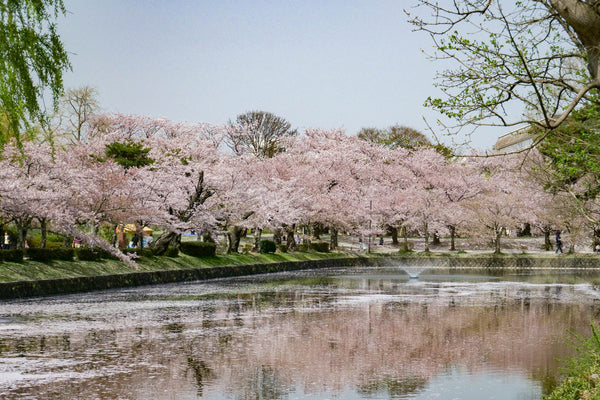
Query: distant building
[514, 140]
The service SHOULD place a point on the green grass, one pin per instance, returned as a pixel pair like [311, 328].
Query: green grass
[33, 270]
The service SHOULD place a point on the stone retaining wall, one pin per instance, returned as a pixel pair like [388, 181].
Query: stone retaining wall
[503, 262]
[22, 289]
[46, 287]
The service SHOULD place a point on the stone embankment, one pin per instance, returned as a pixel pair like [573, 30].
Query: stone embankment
[23, 289]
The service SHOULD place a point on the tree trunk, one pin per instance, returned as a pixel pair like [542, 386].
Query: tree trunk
[44, 232]
[452, 237]
[316, 231]
[21, 235]
[436, 239]
[394, 234]
[257, 238]
[234, 235]
[291, 241]
[584, 18]
[426, 238]
[547, 243]
[207, 237]
[277, 234]
[497, 241]
[113, 236]
[166, 240]
[405, 236]
[139, 235]
[333, 240]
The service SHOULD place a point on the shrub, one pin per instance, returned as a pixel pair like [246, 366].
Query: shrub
[582, 369]
[302, 247]
[322, 247]
[172, 251]
[14, 255]
[145, 252]
[44, 255]
[63, 253]
[267, 246]
[105, 254]
[87, 254]
[283, 248]
[198, 249]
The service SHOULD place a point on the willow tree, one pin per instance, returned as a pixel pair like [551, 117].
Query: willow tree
[32, 61]
[539, 57]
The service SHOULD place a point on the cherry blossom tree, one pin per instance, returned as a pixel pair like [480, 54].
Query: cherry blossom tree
[459, 182]
[339, 176]
[28, 190]
[507, 197]
[425, 191]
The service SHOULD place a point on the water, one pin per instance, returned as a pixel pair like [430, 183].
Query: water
[360, 333]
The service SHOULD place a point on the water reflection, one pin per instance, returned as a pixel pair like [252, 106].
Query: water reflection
[348, 334]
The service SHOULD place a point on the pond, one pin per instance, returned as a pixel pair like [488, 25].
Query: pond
[355, 333]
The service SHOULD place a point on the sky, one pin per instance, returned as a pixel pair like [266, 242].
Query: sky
[318, 64]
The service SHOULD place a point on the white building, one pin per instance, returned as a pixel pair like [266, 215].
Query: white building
[514, 140]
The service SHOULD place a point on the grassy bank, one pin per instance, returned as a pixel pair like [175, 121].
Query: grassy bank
[32, 270]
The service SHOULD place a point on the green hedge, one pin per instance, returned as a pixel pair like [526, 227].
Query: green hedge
[145, 252]
[61, 253]
[88, 254]
[13, 255]
[283, 248]
[267, 246]
[199, 249]
[322, 247]
[302, 247]
[172, 251]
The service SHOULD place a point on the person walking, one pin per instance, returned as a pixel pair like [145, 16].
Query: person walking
[558, 243]
[6, 241]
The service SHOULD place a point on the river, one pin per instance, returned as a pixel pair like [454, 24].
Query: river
[346, 333]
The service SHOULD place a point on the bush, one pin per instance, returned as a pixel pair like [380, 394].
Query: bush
[14, 255]
[583, 369]
[198, 249]
[283, 248]
[267, 246]
[87, 254]
[172, 252]
[44, 255]
[322, 247]
[145, 252]
[302, 247]
[105, 254]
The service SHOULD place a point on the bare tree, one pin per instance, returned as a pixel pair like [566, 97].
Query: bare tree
[76, 108]
[538, 56]
[258, 132]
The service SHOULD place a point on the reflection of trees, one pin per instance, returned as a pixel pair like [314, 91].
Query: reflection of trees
[259, 351]
[264, 383]
[395, 388]
[201, 372]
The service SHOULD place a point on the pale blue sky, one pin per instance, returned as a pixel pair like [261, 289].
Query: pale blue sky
[321, 64]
